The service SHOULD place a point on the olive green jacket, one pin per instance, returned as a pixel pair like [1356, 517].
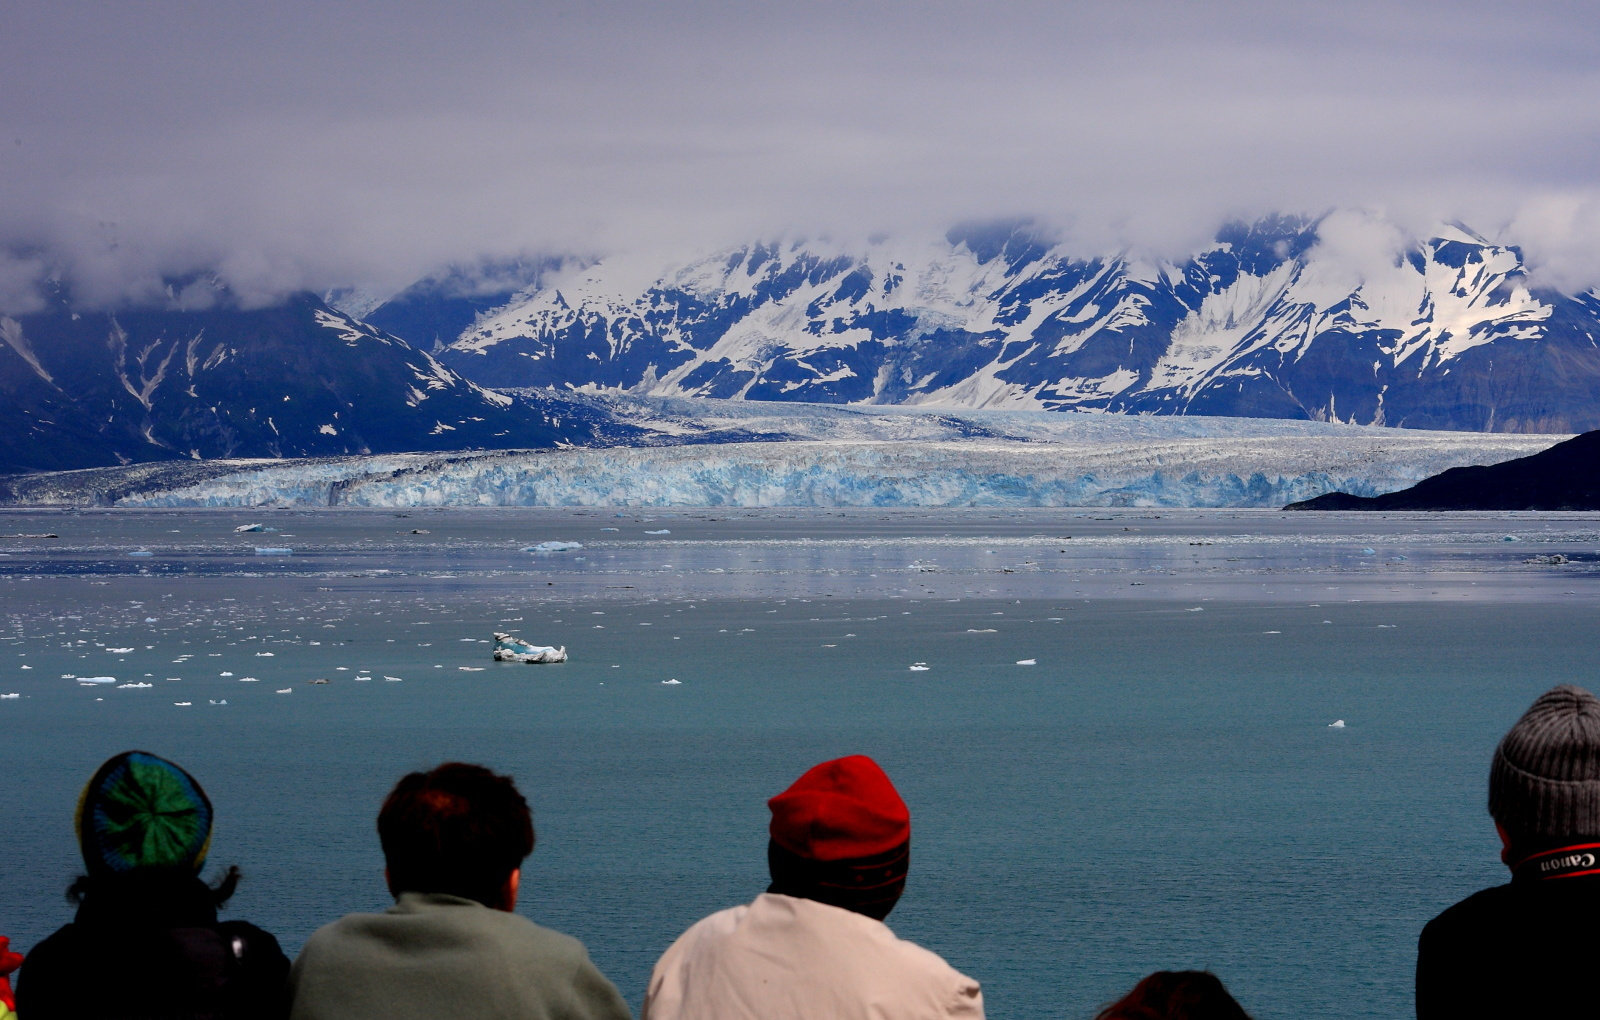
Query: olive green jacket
[432, 956]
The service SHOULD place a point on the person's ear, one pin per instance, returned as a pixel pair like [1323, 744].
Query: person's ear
[1505, 845]
[509, 895]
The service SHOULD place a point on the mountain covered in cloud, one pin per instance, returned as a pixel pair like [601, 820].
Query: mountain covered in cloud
[87, 389]
[1272, 320]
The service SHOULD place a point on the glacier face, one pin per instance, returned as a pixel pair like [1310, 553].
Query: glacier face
[845, 458]
[1269, 322]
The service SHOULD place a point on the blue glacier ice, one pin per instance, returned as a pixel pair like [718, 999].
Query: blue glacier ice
[835, 457]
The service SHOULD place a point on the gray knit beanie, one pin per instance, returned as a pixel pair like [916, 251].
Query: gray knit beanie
[1545, 780]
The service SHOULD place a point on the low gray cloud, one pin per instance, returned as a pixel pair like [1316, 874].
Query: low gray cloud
[321, 144]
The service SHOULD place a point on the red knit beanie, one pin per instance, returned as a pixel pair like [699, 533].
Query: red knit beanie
[840, 810]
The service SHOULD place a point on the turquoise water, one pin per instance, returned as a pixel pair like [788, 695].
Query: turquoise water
[1161, 789]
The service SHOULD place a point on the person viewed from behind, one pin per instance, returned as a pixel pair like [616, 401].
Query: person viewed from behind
[146, 941]
[1176, 995]
[454, 840]
[1529, 948]
[814, 945]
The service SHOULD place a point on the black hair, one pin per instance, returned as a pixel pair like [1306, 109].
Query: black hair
[459, 829]
[1176, 995]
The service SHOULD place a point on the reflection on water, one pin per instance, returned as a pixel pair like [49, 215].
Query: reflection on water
[1161, 789]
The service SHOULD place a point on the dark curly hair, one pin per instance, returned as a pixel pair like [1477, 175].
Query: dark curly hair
[459, 829]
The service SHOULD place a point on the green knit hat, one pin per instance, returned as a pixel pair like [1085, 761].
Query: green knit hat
[141, 811]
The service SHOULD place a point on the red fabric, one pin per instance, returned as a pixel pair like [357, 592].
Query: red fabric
[839, 810]
[9, 962]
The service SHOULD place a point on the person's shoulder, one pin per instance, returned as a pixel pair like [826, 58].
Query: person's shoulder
[336, 936]
[706, 933]
[535, 938]
[59, 947]
[929, 962]
[1483, 907]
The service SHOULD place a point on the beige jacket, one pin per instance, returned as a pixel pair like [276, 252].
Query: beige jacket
[783, 958]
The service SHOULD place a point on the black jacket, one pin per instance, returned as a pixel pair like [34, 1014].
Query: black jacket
[1527, 949]
[154, 951]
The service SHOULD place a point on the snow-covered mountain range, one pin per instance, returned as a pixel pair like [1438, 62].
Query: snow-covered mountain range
[1270, 321]
[299, 379]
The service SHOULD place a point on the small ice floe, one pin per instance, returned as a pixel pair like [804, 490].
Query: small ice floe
[394, 679]
[510, 649]
[27, 667]
[1027, 662]
[265, 655]
[1555, 560]
[663, 531]
[1196, 609]
[672, 682]
[985, 630]
[183, 704]
[248, 680]
[471, 669]
[151, 619]
[134, 686]
[318, 680]
[919, 667]
[8, 697]
[273, 550]
[1369, 552]
[119, 651]
[610, 529]
[360, 678]
[553, 547]
[1386, 626]
[141, 552]
[96, 679]
[1272, 632]
[287, 690]
[1337, 724]
[421, 531]
[243, 528]
[224, 674]
[214, 701]
[1509, 538]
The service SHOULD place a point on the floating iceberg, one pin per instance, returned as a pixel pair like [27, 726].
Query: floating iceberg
[553, 547]
[1337, 724]
[125, 687]
[273, 551]
[96, 679]
[243, 528]
[510, 649]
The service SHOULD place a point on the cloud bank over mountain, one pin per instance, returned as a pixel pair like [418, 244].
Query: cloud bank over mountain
[295, 145]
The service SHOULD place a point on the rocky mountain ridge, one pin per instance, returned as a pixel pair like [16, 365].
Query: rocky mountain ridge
[1447, 333]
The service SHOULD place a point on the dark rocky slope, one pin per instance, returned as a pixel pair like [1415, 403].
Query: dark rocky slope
[1564, 477]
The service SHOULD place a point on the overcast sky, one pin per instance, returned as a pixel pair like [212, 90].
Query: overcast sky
[294, 144]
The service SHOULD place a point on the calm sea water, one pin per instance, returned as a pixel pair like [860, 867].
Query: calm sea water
[1161, 789]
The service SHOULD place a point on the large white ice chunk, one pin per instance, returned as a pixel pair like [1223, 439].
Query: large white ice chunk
[554, 547]
[510, 649]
